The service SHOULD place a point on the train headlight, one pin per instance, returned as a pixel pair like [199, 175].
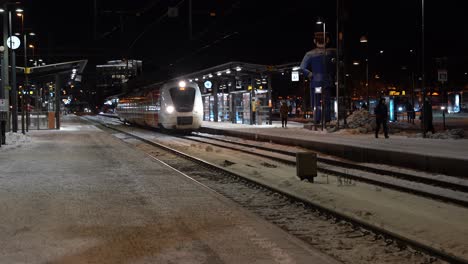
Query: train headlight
[182, 84]
[170, 109]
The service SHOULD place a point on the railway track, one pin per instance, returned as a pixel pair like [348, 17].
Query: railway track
[447, 191]
[285, 209]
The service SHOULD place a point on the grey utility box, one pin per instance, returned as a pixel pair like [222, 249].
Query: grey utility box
[306, 165]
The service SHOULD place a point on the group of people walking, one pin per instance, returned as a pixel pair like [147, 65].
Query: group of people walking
[381, 117]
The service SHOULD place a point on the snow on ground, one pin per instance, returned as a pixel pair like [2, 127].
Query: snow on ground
[399, 143]
[14, 140]
[294, 149]
[431, 222]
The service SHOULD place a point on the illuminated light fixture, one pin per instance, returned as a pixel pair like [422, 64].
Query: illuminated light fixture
[219, 73]
[238, 68]
[182, 84]
[19, 10]
[170, 109]
[2, 10]
[31, 60]
[204, 77]
[40, 60]
[31, 46]
[296, 68]
[319, 21]
[32, 34]
[355, 62]
[381, 51]
[411, 50]
[363, 39]
[74, 70]
[196, 79]
[210, 75]
[17, 34]
[190, 80]
[228, 71]
[442, 107]
[400, 108]
[19, 14]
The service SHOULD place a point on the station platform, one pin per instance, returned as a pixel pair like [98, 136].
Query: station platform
[78, 195]
[445, 156]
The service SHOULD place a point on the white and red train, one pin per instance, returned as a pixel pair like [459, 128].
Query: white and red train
[175, 105]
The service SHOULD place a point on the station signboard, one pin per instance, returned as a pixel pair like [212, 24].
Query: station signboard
[295, 76]
[442, 75]
[4, 105]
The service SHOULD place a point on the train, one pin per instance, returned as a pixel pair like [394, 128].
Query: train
[174, 105]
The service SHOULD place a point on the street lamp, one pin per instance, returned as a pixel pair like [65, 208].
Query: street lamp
[320, 21]
[364, 39]
[423, 72]
[26, 69]
[7, 32]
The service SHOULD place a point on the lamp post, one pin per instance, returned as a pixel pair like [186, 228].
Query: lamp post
[322, 117]
[25, 96]
[25, 85]
[14, 90]
[423, 77]
[3, 89]
[364, 40]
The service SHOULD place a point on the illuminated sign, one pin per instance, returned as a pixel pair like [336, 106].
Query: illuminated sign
[442, 75]
[13, 42]
[3, 104]
[208, 84]
[392, 109]
[238, 84]
[295, 76]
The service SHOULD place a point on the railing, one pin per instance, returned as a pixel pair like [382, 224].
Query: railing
[34, 120]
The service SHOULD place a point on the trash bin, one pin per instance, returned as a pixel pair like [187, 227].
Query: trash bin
[51, 120]
[306, 165]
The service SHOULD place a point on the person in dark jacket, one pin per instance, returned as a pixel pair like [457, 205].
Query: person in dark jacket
[381, 117]
[410, 112]
[284, 111]
[427, 116]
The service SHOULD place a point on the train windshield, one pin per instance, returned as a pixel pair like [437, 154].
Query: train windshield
[183, 98]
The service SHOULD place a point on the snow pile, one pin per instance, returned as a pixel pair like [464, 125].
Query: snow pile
[361, 122]
[360, 118]
[447, 134]
[16, 138]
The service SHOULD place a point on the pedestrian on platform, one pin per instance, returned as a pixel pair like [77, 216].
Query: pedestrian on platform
[410, 112]
[381, 117]
[426, 116]
[284, 111]
[364, 106]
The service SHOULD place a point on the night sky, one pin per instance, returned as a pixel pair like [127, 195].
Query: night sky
[264, 32]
